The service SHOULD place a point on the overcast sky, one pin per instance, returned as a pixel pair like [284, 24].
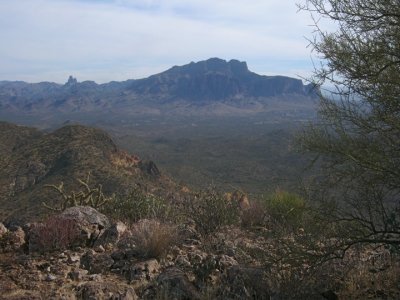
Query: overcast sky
[104, 40]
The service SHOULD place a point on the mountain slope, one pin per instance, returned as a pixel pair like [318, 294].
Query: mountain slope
[31, 159]
[216, 83]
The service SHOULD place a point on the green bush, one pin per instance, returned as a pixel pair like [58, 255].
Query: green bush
[285, 209]
[137, 205]
[210, 210]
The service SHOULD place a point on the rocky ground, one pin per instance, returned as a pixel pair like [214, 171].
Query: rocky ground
[152, 260]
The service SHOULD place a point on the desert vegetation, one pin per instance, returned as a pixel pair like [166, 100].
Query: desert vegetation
[205, 244]
[337, 237]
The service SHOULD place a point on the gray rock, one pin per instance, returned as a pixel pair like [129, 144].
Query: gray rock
[73, 259]
[112, 234]
[50, 277]
[176, 285]
[83, 225]
[91, 222]
[96, 263]
[77, 274]
[99, 249]
[143, 271]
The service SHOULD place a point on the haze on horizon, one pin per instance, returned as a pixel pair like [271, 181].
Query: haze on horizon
[105, 40]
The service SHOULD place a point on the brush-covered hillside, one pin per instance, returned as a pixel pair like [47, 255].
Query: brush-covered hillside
[31, 160]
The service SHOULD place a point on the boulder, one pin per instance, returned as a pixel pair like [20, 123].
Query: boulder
[90, 222]
[175, 285]
[76, 226]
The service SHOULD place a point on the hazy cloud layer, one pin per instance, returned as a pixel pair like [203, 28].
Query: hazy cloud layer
[105, 40]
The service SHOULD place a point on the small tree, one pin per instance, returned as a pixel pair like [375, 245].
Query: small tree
[357, 137]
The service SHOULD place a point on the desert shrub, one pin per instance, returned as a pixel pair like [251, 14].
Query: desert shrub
[210, 210]
[55, 234]
[285, 209]
[136, 206]
[254, 215]
[151, 238]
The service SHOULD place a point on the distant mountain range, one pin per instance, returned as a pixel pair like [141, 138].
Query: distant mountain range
[210, 86]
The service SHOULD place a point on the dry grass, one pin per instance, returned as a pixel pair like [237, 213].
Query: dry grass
[254, 215]
[152, 239]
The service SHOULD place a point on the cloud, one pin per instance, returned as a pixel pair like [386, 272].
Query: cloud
[120, 39]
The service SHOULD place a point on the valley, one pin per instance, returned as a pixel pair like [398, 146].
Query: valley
[209, 122]
[255, 154]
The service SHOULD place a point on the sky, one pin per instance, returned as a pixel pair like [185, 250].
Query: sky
[105, 40]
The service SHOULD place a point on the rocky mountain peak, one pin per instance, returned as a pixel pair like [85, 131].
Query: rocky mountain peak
[212, 65]
[71, 81]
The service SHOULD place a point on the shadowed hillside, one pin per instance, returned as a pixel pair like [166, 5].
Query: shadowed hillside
[31, 159]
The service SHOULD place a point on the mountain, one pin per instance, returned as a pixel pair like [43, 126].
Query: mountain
[31, 159]
[217, 80]
[214, 83]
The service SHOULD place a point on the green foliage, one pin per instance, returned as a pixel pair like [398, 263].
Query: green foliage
[285, 208]
[136, 206]
[251, 153]
[357, 137]
[87, 196]
[210, 210]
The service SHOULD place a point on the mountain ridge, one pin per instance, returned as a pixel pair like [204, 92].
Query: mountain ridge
[30, 159]
[210, 87]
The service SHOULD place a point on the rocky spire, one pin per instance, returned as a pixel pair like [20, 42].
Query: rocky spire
[71, 81]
